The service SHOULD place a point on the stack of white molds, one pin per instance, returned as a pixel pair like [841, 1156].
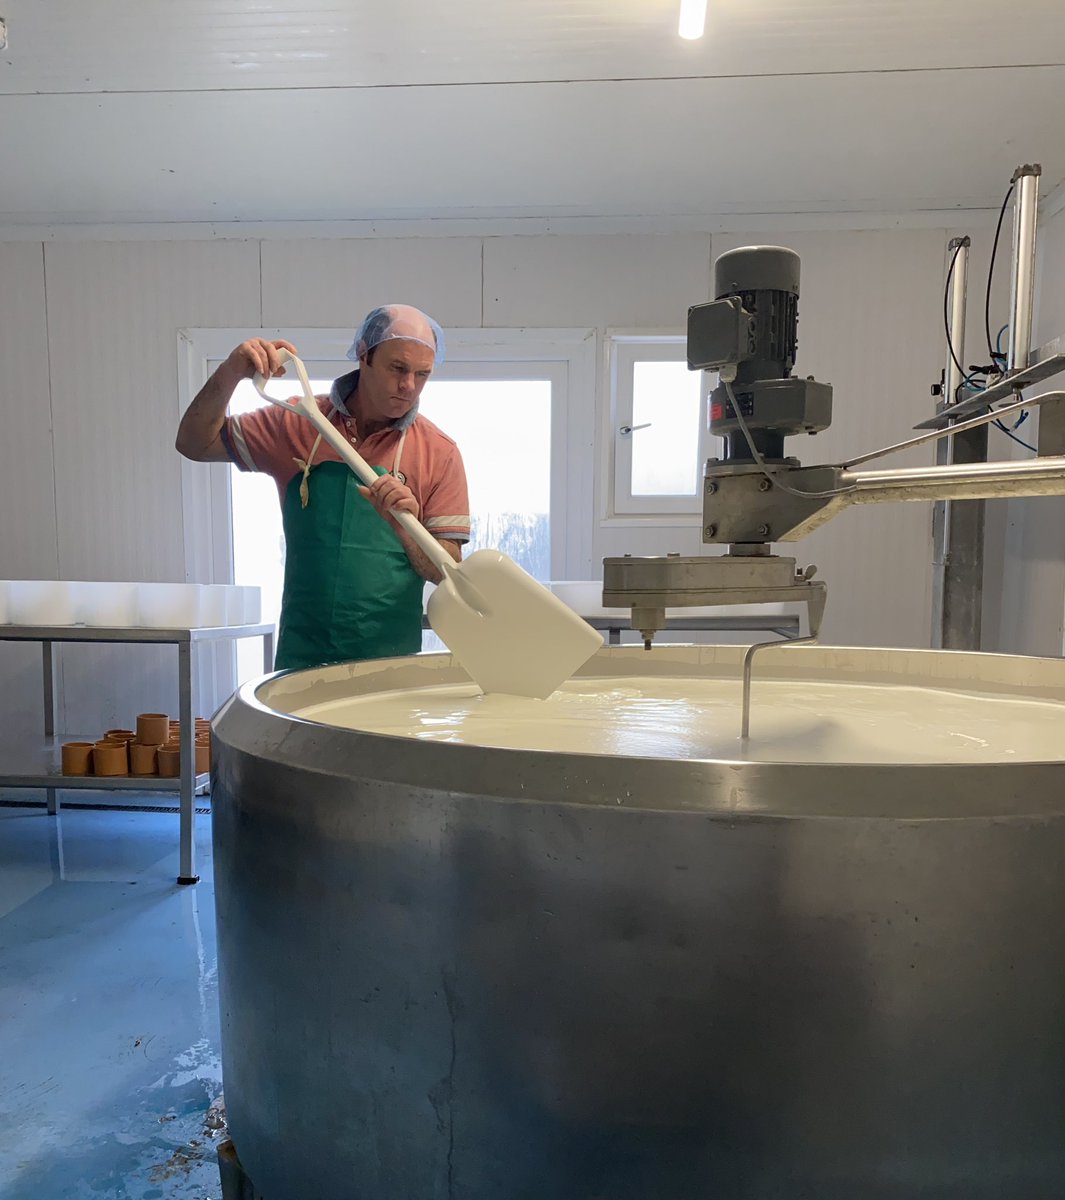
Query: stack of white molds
[55, 602]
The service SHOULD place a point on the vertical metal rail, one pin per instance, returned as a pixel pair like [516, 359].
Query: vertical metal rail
[958, 249]
[1022, 285]
[958, 528]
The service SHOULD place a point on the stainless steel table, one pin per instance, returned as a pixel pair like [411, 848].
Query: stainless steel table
[39, 765]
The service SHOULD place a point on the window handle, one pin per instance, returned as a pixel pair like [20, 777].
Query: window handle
[625, 430]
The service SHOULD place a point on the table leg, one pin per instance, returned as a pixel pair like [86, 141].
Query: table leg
[268, 652]
[48, 657]
[187, 782]
[48, 674]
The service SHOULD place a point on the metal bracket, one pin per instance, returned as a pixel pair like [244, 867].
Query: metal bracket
[1042, 363]
[648, 586]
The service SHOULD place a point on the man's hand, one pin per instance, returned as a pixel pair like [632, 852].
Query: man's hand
[388, 494]
[199, 435]
[258, 355]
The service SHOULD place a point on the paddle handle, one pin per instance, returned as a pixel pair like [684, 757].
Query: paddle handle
[307, 406]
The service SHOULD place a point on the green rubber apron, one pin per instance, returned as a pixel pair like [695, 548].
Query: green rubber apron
[350, 590]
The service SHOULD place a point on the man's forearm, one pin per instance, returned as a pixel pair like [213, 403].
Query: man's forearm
[419, 560]
[199, 434]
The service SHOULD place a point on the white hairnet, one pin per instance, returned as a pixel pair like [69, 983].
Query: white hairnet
[397, 321]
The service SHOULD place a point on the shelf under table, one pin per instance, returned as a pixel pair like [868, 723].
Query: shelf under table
[37, 762]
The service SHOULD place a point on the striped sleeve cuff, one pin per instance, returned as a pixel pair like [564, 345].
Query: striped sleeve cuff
[236, 446]
[453, 528]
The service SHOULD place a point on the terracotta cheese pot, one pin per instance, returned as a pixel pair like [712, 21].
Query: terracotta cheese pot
[143, 760]
[110, 758]
[169, 757]
[153, 729]
[77, 758]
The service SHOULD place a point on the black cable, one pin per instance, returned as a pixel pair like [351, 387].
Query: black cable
[967, 382]
[990, 274]
[946, 317]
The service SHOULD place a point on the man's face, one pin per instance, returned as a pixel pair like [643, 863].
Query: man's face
[390, 385]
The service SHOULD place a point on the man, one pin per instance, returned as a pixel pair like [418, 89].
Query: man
[353, 576]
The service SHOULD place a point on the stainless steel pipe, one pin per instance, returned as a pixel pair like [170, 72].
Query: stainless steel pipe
[957, 481]
[1022, 283]
[954, 372]
[454, 972]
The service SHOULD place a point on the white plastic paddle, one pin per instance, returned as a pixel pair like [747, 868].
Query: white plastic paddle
[507, 630]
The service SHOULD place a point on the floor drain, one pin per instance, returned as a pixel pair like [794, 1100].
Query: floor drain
[164, 808]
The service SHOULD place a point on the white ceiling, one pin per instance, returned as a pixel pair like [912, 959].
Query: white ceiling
[256, 110]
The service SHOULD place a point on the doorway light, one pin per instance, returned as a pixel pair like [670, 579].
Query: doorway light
[692, 19]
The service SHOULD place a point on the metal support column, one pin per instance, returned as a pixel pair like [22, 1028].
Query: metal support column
[1022, 285]
[958, 526]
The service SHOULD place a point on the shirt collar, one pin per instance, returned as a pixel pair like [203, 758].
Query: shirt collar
[343, 389]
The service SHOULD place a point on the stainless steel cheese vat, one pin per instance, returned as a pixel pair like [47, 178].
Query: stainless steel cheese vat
[475, 974]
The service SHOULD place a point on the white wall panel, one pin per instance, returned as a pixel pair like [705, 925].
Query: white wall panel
[114, 313]
[114, 310]
[336, 283]
[644, 281]
[28, 548]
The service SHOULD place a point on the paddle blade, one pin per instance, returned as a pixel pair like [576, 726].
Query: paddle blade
[526, 643]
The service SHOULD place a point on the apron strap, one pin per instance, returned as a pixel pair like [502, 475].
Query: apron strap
[305, 467]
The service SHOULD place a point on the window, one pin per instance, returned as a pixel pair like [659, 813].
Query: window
[500, 414]
[503, 428]
[660, 436]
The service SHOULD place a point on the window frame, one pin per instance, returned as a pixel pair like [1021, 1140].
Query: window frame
[623, 350]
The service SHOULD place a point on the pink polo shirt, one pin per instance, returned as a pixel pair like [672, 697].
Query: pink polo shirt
[271, 439]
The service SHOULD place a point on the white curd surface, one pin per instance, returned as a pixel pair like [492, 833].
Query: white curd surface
[684, 718]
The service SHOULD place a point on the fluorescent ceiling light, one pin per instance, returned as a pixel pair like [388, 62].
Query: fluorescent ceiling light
[692, 19]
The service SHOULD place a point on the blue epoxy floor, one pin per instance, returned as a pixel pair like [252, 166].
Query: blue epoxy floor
[109, 1054]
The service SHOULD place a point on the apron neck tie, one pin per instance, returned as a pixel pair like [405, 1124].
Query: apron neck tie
[305, 467]
[308, 466]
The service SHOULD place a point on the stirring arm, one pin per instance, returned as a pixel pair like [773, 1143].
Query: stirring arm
[993, 414]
